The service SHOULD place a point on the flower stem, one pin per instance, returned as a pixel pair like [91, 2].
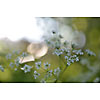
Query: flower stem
[61, 74]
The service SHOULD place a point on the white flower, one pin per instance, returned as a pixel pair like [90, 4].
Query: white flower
[72, 60]
[77, 59]
[46, 65]
[49, 73]
[66, 57]
[38, 64]
[26, 68]
[36, 74]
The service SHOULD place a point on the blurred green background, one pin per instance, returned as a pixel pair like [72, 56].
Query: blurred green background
[86, 71]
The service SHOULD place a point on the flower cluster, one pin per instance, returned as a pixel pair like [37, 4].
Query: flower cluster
[78, 52]
[71, 56]
[46, 65]
[45, 68]
[71, 59]
[15, 64]
[8, 56]
[90, 53]
[68, 56]
[58, 52]
[57, 71]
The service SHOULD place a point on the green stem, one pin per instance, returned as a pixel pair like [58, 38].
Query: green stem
[61, 74]
[64, 70]
[47, 71]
